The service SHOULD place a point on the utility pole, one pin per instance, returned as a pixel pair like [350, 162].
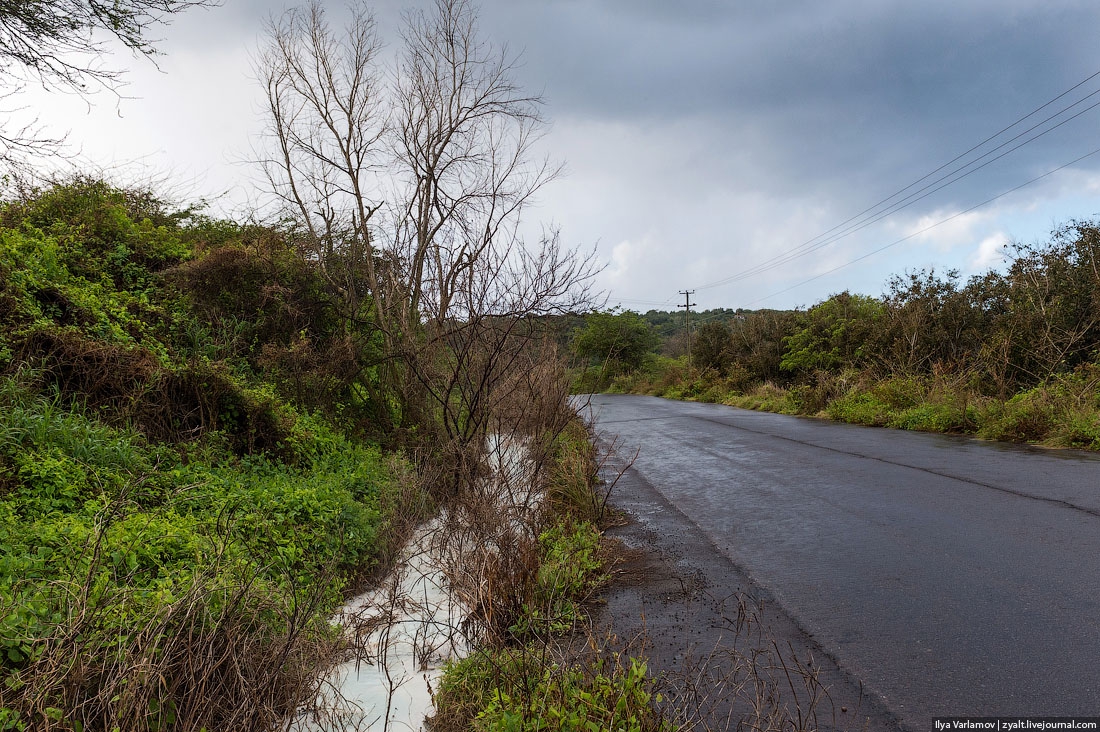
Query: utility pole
[687, 319]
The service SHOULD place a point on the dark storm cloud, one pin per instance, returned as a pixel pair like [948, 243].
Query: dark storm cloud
[707, 135]
[820, 92]
[799, 96]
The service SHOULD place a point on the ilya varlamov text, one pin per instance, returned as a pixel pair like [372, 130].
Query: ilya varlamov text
[1012, 725]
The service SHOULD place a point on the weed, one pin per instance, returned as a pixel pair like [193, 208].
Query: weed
[569, 570]
[1028, 416]
[524, 689]
[859, 408]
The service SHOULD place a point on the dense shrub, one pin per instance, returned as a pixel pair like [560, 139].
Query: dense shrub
[710, 348]
[179, 516]
[832, 335]
[622, 339]
[118, 554]
[1007, 355]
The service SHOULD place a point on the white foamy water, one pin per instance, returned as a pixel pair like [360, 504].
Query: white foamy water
[409, 626]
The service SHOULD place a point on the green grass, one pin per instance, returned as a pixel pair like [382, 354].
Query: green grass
[765, 398]
[105, 537]
[518, 691]
[1062, 412]
[175, 529]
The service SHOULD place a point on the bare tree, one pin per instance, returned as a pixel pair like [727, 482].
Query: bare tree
[466, 365]
[409, 197]
[464, 134]
[326, 120]
[54, 42]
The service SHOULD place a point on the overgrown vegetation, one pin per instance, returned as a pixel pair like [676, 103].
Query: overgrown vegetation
[1007, 355]
[202, 421]
[533, 674]
[178, 516]
[190, 476]
[193, 418]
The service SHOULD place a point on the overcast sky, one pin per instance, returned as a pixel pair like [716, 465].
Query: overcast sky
[705, 137]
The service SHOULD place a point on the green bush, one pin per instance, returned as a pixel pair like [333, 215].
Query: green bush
[116, 550]
[903, 392]
[1028, 416]
[568, 571]
[859, 407]
[936, 417]
[516, 690]
[833, 334]
[1079, 428]
[621, 338]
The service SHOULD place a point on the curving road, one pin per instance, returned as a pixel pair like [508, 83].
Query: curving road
[949, 576]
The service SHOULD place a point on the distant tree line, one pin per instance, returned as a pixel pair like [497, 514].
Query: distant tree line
[1002, 331]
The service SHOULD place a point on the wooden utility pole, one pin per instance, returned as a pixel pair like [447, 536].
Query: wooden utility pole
[687, 319]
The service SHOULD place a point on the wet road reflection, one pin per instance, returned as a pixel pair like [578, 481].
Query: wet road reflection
[952, 576]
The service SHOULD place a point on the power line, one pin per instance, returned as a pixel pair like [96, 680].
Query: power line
[795, 253]
[862, 220]
[927, 228]
[913, 197]
[909, 200]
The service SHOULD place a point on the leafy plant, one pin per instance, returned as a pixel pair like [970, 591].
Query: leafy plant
[519, 690]
[568, 571]
[577, 699]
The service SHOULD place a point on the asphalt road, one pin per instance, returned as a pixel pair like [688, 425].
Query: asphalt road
[947, 576]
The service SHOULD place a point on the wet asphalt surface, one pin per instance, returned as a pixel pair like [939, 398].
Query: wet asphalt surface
[925, 575]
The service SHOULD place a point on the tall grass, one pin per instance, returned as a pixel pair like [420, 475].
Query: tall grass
[1062, 411]
[523, 676]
